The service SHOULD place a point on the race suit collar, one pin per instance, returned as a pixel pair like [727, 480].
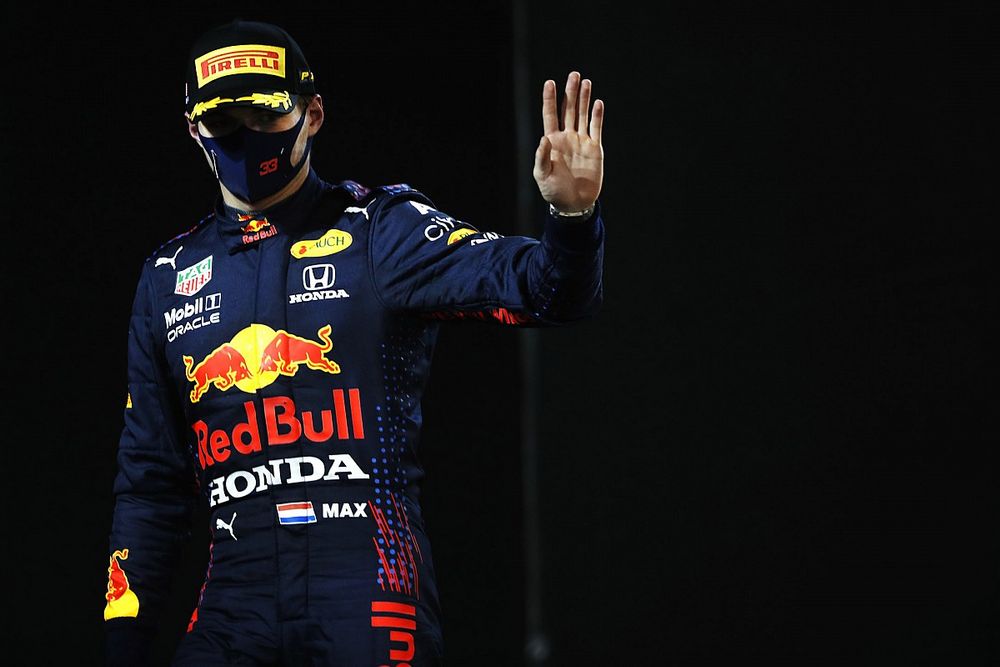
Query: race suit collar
[243, 229]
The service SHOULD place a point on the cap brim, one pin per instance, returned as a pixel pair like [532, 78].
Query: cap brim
[277, 101]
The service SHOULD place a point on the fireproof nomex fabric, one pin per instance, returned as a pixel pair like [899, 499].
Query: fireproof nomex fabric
[277, 361]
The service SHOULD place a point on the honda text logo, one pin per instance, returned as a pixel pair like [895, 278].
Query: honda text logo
[318, 279]
[318, 276]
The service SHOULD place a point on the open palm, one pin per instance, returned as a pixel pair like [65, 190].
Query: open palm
[569, 161]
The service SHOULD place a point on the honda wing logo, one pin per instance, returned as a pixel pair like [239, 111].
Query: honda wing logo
[318, 279]
[318, 276]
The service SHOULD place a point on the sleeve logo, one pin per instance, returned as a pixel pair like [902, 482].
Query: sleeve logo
[122, 602]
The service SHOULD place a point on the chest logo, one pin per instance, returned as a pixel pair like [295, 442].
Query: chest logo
[255, 357]
[255, 228]
[330, 243]
[194, 277]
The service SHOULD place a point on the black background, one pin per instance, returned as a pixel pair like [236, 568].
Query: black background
[769, 446]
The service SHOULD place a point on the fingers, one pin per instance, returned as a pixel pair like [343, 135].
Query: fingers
[576, 114]
[584, 106]
[550, 121]
[570, 103]
[597, 121]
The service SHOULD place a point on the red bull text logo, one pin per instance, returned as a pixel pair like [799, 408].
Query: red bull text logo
[283, 425]
[272, 353]
[256, 229]
[401, 621]
[240, 59]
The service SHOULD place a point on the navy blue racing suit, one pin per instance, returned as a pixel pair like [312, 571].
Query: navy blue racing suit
[276, 363]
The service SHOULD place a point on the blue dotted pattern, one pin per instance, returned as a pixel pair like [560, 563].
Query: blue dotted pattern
[400, 354]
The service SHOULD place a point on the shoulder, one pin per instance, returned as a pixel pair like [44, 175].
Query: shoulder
[168, 250]
[398, 193]
[405, 211]
[385, 195]
[403, 201]
[392, 202]
[373, 202]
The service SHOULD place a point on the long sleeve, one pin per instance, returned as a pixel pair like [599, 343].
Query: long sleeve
[426, 261]
[155, 492]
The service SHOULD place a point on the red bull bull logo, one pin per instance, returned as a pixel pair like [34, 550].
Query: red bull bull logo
[254, 224]
[273, 353]
[224, 367]
[285, 352]
[122, 602]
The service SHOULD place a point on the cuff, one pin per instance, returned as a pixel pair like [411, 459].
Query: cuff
[575, 236]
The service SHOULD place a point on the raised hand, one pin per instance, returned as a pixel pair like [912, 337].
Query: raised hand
[569, 161]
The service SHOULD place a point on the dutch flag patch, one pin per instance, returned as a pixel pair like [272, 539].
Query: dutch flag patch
[302, 512]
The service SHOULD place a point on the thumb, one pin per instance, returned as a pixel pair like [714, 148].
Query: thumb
[543, 155]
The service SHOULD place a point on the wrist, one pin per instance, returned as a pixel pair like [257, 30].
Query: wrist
[572, 215]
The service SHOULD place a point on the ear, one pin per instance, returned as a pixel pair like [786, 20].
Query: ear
[315, 115]
[193, 129]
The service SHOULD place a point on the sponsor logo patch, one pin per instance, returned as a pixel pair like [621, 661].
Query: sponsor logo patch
[240, 59]
[256, 229]
[330, 243]
[460, 234]
[221, 524]
[487, 237]
[293, 470]
[122, 602]
[193, 315]
[285, 423]
[319, 280]
[194, 277]
[441, 224]
[172, 261]
[255, 357]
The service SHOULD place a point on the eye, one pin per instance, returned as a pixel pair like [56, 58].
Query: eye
[219, 124]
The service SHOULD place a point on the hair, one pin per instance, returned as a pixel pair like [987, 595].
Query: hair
[304, 101]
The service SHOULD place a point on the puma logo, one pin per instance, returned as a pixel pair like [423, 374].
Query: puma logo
[220, 524]
[169, 260]
[358, 209]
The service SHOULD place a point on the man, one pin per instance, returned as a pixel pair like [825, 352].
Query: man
[277, 356]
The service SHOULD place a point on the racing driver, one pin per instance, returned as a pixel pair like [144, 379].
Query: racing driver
[277, 354]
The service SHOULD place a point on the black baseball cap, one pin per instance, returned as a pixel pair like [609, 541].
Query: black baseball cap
[249, 64]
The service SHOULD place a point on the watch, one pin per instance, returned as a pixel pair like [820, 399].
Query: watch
[583, 215]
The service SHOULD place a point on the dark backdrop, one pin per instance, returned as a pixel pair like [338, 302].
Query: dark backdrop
[768, 446]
